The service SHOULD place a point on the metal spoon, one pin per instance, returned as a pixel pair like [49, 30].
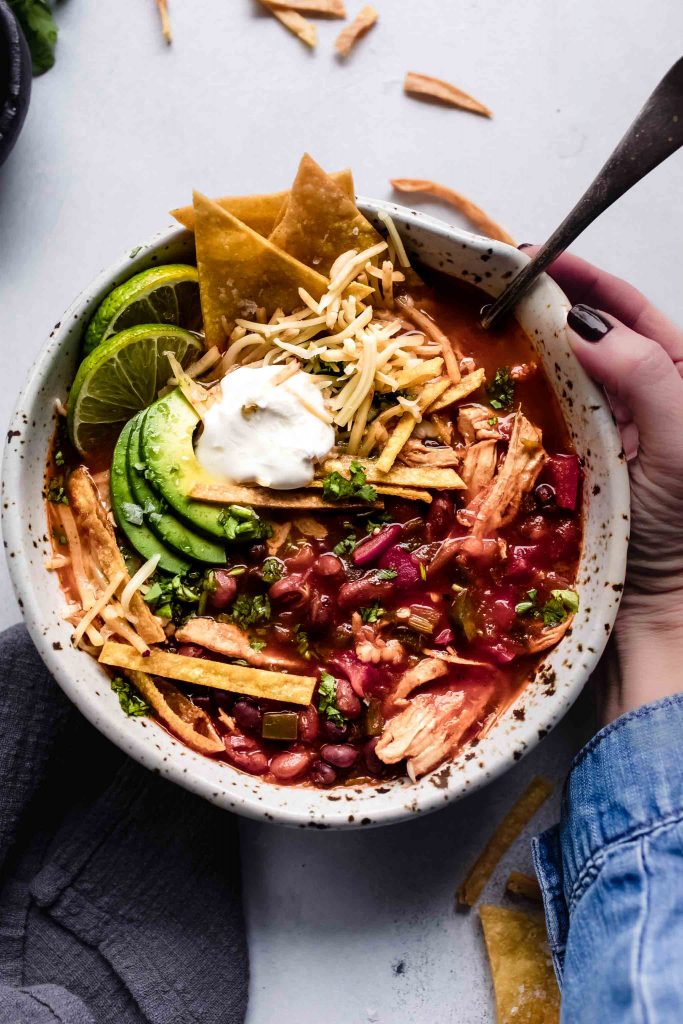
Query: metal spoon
[655, 134]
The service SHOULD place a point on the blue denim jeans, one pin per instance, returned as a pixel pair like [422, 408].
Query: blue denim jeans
[611, 873]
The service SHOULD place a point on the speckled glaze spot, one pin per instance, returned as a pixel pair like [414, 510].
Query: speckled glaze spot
[550, 692]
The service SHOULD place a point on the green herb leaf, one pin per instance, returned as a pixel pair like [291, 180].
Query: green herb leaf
[131, 704]
[271, 570]
[524, 606]
[346, 546]
[56, 493]
[243, 524]
[303, 644]
[35, 18]
[250, 610]
[561, 604]
[59, 458]
[175, 597]
[382, 575]
[502, 391]
[371, 614]
[256, 645]
[327, 699]
[341, 488]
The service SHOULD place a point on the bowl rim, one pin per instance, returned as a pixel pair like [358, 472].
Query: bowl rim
[247, 795]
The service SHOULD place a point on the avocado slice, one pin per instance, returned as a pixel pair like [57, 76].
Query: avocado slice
[173, 469]
[125, 507]
[157, 515]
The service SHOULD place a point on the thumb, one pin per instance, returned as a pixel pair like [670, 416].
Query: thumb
[639, 372]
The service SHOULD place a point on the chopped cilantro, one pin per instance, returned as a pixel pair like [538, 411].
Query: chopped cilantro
[174, 598]
[59, 536]
[56, 493]
[132, 513]
[327, 699]
[131, 704]
[492, 421]
[502, 391]
[256, 645]
[242, 523]
[345, 546]
[271, 570]
[340, 488]
[376, 524]
[382, 575]
[560, 604]
[59, 458]
[250, 611]
[302, 642]
[373, 613]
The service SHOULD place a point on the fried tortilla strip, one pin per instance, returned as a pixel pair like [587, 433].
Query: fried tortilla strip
[319, 221]
[162, 6]
[295, 23]
[98, 537]
[407, 423]
[265, 497]
[349, 36]
[330, 8]
[402, 476]
[186, 721]
[239, 270]
[548, 637]
[523, 977]
[426, 671]
[228, 639]
[429, 730]
[409, 493]
[470, 211]
[515, 478]
[520, 884]
[519, 815]
[255, 682]
[430, 88]
[469, 383]
[260, 213]
[451, 358]
[479, 466]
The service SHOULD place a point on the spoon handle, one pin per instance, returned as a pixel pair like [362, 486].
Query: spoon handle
[656, 133]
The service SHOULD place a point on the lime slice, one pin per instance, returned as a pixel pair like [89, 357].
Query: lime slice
[121, 376]
[162, 295]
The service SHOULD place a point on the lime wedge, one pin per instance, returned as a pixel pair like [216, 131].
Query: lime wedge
[121, 376]
[161, 295]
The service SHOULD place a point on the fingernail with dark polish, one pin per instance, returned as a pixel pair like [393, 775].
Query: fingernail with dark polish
[588, 323]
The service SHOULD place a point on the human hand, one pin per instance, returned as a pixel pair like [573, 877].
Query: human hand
[631, 348]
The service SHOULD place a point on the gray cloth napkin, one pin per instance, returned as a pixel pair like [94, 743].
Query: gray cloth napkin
[119, 892]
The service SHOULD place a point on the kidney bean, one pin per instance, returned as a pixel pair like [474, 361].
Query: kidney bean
[289, 765]
[545, 494]
[322, 774]
[247, 715]
[321, 611]
[364, 678]
[303, 559]
[309, 724]
[404, 564]
[224, 590]
[374, 765]
[364, 591]
[370, 549]
[245, 753]
[328, 565]
[292, 590]
[340, 755]
[191, 651]
[440, 518]
[347, 702]
[332, 732]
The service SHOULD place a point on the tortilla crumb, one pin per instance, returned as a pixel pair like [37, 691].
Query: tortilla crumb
[436, 89]
[299, 26]
[349, 36]
[330, 8]
[162, 6]
[477, 217]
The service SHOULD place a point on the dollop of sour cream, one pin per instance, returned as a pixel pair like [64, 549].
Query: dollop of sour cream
[262, 432]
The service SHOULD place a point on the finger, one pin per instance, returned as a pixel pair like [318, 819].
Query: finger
[584, 283]
[639, 373]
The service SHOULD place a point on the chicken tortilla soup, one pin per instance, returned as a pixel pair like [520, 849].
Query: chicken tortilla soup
[305, 512]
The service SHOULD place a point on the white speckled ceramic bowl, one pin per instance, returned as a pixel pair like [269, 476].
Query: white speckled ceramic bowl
[548, 695]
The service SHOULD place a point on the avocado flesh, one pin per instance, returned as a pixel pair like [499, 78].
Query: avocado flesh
[140, 537]
[161, 521]
[168, 453]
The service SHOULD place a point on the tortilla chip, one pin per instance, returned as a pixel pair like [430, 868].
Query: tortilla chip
[295, 23]
[331, 8]
[350, 35]
[319, 221]
[523, 977]
[406, 425]
[256, 682]
[261, 213]
[520, 884]
[401, 476]
[469, 383]
[239, 270]
[185, 720]
[519, 815]
[264, 497]
[436, 89]
[470, 211]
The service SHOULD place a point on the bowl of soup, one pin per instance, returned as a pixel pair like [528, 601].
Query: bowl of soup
[339, 556]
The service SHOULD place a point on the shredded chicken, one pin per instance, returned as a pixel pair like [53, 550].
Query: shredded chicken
[474, 424]
[479, 466]
[229, 640]
[280, 535]
[522, 371]
[515, 477]
[426, 671]
[98, 540]
[548, 637]
[429, 730]
[415, 453]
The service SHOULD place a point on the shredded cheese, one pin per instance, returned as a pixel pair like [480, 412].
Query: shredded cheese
[396, 239]
[136, 581]
[97, 608]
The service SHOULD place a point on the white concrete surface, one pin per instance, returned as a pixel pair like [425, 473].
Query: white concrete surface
[120, 131]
